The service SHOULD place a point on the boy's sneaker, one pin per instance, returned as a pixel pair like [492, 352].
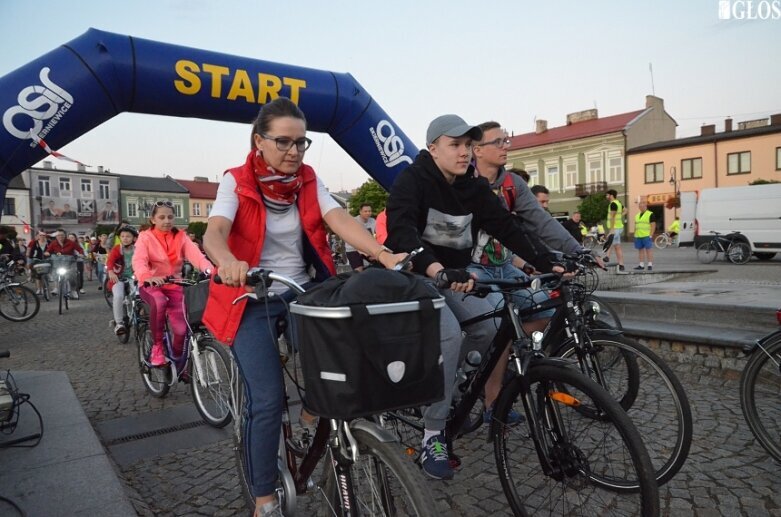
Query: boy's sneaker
[119, 329]
[621, 268]
[434, 458]
[514, 418]
[649, 268]
[639, 268]
[73, 295]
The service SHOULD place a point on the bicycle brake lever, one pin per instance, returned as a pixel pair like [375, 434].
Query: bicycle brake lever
[252, 295]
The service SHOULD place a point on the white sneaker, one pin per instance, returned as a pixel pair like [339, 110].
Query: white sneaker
[119, 329]
[74, 295]
[54, 292]
[81, 291]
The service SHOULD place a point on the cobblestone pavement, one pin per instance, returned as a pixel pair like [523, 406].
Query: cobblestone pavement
[727, 472]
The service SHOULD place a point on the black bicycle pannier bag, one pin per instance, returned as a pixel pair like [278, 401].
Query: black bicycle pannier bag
[369, 342]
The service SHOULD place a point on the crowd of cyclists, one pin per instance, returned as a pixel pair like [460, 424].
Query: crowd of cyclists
[473, 219]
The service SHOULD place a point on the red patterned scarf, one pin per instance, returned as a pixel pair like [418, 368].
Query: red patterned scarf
[278, 190]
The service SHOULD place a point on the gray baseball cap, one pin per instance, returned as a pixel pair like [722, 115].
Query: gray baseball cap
[453, 126]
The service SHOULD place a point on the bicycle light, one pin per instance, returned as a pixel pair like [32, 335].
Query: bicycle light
[593, 308]
[61, 271]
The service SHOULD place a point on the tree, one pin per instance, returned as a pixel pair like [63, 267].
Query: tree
[198, 228]
[763, 182]
[10, 231]
[370, 192]
[593, 209]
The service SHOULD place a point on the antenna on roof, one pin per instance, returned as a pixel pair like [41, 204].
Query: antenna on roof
[651, 70]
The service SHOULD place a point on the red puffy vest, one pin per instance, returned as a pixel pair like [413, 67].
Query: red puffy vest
[245, 241]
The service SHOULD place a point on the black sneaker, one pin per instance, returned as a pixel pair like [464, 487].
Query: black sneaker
[434, 458]
[638, 268]
[649, 268]
[621, 268]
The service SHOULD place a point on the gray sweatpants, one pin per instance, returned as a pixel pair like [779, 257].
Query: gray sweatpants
[456, 345]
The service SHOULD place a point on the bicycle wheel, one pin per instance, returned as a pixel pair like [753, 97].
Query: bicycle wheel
[46, 293]
[107, 294]
[587, 466]
[211, 383]
[589, 241]
[649, 392]
[760, 388]
[156, 380]
[385, 481]
[18, 302]
[61, 292]
[707, 252]
[739, 252]
[662, 241]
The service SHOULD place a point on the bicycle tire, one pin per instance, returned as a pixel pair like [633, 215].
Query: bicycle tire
[661, 241]
[761, 375]
[589, 242]
[46, 293]
[18, 302]
[643, 390]
[599, 482]
[707, 252]
[212, 397]
[739, 253]
[385, 481]
[156, 380]
[107, 293]
[61, 293]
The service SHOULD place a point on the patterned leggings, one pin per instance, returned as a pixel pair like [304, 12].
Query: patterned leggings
[162, 302]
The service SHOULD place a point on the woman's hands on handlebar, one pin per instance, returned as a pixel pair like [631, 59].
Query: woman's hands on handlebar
[234, 274]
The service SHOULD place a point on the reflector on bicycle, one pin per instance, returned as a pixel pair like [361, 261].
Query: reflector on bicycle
[564, 398]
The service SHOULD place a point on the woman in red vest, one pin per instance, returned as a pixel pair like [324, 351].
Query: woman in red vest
[269, 212]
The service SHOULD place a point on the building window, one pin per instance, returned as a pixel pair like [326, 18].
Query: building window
[9, 206]
[533, 179]
[43, 186]
[86, 185]
[177, 210]
[208, 208]
[196, 209]
[615, 169]
[739, 163]
[570, 174]
[595, 168]
[65, 186]
[778, 158]
[654, 172]
[132, 209]
[104, 189]
[691, 168]
[552, 178]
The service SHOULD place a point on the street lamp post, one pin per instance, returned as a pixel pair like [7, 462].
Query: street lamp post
[674, 185]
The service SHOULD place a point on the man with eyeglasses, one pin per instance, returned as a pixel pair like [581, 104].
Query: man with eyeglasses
[490, 259]
[439, 204]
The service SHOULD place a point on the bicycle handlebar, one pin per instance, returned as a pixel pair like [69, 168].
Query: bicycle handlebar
[261, 277]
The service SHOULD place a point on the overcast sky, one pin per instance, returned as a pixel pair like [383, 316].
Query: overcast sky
[509, 61]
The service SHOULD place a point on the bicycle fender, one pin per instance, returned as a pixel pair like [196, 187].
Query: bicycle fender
[761, 342]
[373, 429]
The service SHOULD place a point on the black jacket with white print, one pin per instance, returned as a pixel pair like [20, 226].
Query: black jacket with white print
[425, 210]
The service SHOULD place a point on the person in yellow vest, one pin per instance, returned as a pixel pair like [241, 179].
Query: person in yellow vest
[645, 226]
[615, 227]
[674, 228]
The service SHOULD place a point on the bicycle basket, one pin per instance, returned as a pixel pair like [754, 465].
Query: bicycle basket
[369, 343]
[195, 297]
[42, 268]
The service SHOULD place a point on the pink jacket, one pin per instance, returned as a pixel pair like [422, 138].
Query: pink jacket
[151, 260]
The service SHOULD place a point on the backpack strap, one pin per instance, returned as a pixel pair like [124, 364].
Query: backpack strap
[508, 190]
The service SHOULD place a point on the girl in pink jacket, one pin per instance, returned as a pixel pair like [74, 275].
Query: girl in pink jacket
[160, 252]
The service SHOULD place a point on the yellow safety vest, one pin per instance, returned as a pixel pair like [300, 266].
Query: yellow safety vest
[643, 224]
[675, 227]
[619, 222]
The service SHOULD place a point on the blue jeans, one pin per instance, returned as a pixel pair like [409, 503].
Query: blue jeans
[257, 356]
[524, 298]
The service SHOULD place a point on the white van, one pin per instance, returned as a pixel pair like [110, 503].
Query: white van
[753, 210]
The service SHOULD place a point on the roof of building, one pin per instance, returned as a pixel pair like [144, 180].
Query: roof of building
[700, 139]
[149, 184]
[18, 183]
[200, 189]
[595, 127]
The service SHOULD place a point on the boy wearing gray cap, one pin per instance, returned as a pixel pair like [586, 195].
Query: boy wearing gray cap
[438, 204]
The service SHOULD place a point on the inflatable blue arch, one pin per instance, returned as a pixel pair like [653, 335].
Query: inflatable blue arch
[74, 88]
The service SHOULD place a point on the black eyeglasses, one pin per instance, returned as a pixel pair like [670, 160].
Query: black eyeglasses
[284, 143]
[497, 142]
[164, 203]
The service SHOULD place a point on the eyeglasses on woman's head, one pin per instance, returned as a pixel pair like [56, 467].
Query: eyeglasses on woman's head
[164, 203]
[284, 143]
